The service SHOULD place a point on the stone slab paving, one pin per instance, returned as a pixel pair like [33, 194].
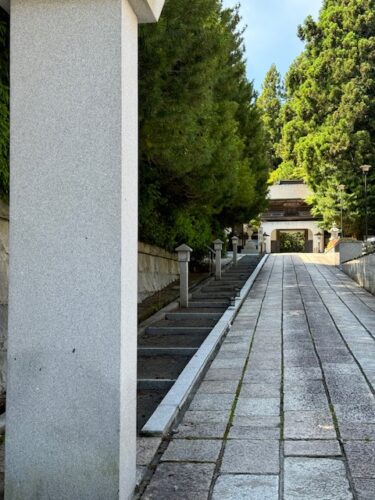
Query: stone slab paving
[287, 408]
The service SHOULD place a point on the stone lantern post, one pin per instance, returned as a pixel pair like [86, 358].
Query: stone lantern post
[184, 252]
[235, 249]
[218, 247]
[334, 232]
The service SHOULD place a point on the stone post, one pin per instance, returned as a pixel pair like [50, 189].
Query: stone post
[218, 246]
[334, 232]
[235, 248]
[183, 261]
[72, 359]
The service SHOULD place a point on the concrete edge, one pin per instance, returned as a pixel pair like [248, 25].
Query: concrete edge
[147, 11]
[166, 413]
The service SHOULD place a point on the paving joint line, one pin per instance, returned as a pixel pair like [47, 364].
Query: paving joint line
[326, 388]
[238, 391]
[281, 445]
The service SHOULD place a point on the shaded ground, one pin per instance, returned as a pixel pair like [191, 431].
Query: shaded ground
[287, 409]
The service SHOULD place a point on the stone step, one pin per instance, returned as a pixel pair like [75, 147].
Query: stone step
[234, 277]
[240, 277]
[247, 266]
[231, 279]
[178, 329]
[166, 351]
[240, 269]
[237, 273]
[224, 282]
[152, 383]
[179, 340]
[212, 304]
[162, 363]
[222, 288]
[207, 307]
[195, 322]
[183, 315]
[214, 295]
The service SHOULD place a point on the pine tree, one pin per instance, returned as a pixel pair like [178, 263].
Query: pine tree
[329, 118]
[199, 129]
[269, 104]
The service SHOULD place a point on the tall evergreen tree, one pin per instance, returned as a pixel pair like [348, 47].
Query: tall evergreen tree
[201, 144]
[329, 118]
[269, 104]
[201, 155]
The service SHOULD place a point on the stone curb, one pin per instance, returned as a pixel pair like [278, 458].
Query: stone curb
[164, 416]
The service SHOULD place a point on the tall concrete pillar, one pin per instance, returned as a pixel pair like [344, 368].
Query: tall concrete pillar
[71, 406]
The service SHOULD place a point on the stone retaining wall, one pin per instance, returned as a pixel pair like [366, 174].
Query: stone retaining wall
[157, 268]
[4, 262]
[362, 270]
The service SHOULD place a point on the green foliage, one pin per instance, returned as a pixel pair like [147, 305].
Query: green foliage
[269, 104]
[329, 115]
[4, 105]
[292, 242]
[202, 164]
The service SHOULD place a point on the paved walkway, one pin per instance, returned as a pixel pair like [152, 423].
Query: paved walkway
[287, 409]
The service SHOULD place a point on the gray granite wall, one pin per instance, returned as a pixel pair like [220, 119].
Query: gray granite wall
[157, 268]
[4, 263]
[349, 249]
[362, 270]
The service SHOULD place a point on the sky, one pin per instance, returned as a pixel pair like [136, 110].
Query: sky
[271, 34]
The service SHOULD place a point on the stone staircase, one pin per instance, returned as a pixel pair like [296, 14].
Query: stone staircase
[167, 345]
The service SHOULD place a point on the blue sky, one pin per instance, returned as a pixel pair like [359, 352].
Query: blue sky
[271, 34]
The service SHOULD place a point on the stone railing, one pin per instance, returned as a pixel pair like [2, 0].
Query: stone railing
[342, 250]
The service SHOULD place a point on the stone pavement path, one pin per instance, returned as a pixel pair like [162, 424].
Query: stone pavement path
[287, 408]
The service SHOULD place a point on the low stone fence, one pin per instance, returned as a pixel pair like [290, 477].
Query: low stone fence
[343, 250]
[157, 268]
[362, 270]
[4, 263]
